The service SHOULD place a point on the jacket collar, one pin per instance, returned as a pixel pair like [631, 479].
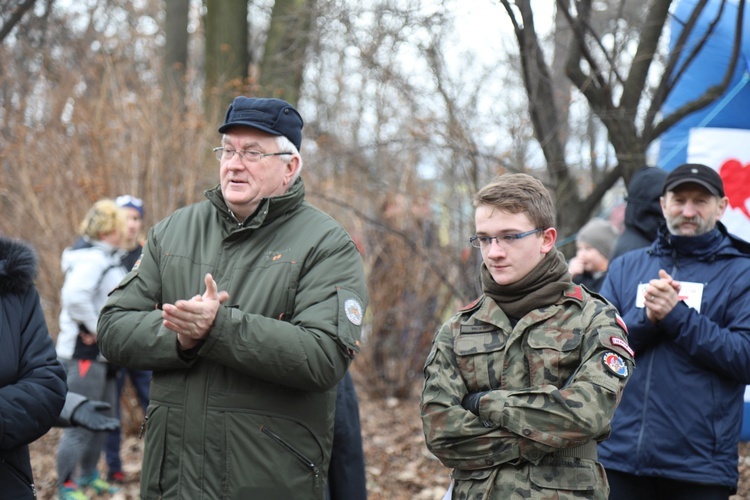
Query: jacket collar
[268, 210]
[718, 241]
[18, 266]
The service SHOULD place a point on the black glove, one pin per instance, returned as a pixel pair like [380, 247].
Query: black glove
[471, 401]
[88, 415]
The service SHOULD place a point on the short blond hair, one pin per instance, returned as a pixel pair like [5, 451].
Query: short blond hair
[103, 218]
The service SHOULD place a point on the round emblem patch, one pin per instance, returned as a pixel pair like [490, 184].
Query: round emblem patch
[615, 364]
[353, 311]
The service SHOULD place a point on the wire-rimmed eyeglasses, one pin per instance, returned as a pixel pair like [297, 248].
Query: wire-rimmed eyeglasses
[246, 154]
[505, 239]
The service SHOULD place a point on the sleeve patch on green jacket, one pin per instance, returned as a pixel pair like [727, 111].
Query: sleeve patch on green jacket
[351, 315]
[354, 311]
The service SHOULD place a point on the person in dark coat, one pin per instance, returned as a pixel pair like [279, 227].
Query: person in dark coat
[32, 381]
[643, 214]
[346, 475]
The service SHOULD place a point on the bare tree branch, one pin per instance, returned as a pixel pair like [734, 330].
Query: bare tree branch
[579, 49]
[456, 129]
[713, 92]
[418, 249]
[671, 77]
[537, 82]
[593, 85]
[16, 15]
[650, 33]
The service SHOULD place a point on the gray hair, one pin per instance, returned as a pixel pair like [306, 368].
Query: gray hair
[285, 144]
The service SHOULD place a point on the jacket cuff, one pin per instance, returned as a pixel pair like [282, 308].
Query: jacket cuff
[72, 401]
[188, 354]
[671, 324]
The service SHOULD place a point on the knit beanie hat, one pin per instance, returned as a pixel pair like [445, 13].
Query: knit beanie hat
[128, 201]
[600, 234]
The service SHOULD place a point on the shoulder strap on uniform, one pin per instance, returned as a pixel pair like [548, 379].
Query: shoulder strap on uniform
[574, 292]
[472, 305]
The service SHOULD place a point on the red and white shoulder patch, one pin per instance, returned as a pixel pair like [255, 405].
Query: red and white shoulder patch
[621, 322]
[471, 305]
[617, 341]
[576, 293]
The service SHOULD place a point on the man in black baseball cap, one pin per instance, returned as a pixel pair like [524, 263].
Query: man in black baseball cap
[697, 174]
[686, 301]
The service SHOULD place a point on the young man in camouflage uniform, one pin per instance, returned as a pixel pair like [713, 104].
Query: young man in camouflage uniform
[522, 384]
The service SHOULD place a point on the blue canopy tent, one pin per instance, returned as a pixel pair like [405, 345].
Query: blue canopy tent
[707, 70]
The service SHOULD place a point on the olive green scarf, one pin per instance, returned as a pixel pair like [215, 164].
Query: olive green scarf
[543, 286]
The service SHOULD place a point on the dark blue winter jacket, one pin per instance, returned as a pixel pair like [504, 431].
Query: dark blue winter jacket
[32, 381]
[681, 412]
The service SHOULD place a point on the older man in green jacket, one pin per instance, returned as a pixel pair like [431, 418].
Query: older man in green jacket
[248, 308]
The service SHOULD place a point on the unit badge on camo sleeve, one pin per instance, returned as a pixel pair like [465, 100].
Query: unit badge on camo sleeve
[615, 364]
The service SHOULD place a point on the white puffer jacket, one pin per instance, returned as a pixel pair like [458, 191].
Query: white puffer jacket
[90, 274]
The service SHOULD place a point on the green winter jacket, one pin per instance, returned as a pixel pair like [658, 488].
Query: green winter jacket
[554, 381]
[249, 412]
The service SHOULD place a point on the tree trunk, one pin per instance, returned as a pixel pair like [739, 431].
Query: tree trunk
[16, 13]
[560, 83]
[284, 58]
[176, 49]
[546, 120]
[227, 55]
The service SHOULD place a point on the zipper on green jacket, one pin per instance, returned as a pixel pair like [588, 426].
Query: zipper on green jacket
[310, 465]
[143, 427]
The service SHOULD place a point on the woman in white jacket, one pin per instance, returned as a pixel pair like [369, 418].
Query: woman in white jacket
[92, 269]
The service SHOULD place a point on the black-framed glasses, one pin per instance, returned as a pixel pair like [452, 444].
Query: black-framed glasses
[246, 154]
[505, 239]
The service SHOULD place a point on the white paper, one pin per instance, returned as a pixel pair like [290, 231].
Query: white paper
[691, 293]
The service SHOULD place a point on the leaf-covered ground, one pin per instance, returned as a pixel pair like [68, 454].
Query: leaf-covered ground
[399, 467]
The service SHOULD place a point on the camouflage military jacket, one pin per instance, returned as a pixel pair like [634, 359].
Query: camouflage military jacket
[555, 379]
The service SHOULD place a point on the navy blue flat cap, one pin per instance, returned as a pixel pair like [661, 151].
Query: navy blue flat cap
[275, 116]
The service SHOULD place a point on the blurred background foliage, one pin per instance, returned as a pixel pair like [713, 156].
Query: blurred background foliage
[403, 122]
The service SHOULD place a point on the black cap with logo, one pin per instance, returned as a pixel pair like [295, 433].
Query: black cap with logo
[697, 174]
